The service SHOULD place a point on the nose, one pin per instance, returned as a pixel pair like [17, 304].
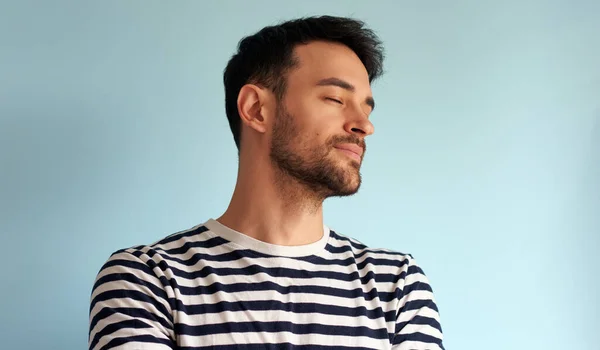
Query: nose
[359, 124]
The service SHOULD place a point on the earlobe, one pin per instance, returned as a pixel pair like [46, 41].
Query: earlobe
[250, 105]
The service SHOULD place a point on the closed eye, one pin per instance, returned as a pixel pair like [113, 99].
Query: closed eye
[334, 100]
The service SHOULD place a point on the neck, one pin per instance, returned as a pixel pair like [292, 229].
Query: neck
[271, 206]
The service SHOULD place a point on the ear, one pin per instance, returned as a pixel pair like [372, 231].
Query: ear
[255, 107]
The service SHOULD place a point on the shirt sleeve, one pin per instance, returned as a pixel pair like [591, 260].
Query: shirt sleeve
[129, 307]
[417, 322]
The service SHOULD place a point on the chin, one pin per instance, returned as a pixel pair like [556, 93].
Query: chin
[349, 179]
[347, 187]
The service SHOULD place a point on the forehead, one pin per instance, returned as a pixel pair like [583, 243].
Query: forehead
[321, 60]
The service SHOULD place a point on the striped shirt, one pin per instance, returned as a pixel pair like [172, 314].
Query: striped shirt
[211, 287]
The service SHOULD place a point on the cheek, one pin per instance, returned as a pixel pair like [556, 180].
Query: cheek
[315, 123]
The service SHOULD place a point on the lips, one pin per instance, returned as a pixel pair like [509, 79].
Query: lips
[352, 148]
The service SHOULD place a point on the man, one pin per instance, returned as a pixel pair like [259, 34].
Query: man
[268, 274]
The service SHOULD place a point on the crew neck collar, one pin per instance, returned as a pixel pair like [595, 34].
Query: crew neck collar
[251, 243]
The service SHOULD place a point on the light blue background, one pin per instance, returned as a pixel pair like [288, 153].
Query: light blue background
[485, 162]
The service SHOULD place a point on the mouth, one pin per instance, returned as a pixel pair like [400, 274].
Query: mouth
[351, 150]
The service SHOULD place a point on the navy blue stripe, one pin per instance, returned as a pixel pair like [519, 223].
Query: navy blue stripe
[361, 246]
[346, 249]
[418, 337]
[111, 328]
[297, 308]
[225, 257]
[339, 250]
[128, 264]
[131, 312]
[315, 260]
[137, 338]
[280, 326]
[278, 272]
[378, 262]
[308, 289]
[270, 286]
[130, 294]
[130, 278]
[417, 286]
[185, 247]
[415, 269]
[419, 304]
[389, 296]
[420, 320]
[352, 261]
[179, 235]
[356, 245]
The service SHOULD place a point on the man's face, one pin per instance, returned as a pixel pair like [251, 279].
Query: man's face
[320, 126]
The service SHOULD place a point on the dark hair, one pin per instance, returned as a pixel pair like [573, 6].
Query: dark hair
[265, 57]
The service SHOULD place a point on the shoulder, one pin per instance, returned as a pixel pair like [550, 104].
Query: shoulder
[394, 268]
[343, 243]
[169, 246]
[149, 261]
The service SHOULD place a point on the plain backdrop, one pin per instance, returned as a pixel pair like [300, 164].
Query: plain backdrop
[485, 162]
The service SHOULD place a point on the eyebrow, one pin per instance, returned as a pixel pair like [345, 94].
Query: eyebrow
[346, 86]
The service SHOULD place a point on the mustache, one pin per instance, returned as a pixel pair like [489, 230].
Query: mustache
[348, 139]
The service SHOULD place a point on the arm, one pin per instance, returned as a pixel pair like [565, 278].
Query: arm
[417, 321]
[129, 307]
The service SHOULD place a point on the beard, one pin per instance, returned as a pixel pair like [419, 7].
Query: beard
[321, 174]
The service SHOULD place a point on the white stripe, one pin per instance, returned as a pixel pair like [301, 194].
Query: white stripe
[178, 243]
[233, 247]
[127, 302]
[277, 262]
[283, 316]
[283, 337]
[114, 318]
[289, 298]
[118, 269]
[142, 346]
[424, 312]
[416, 295]
[419, 328]
[282, 281]
[127, 332]
[416, 345]
[283, 261]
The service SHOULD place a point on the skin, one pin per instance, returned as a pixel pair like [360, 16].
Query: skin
[291, 156]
